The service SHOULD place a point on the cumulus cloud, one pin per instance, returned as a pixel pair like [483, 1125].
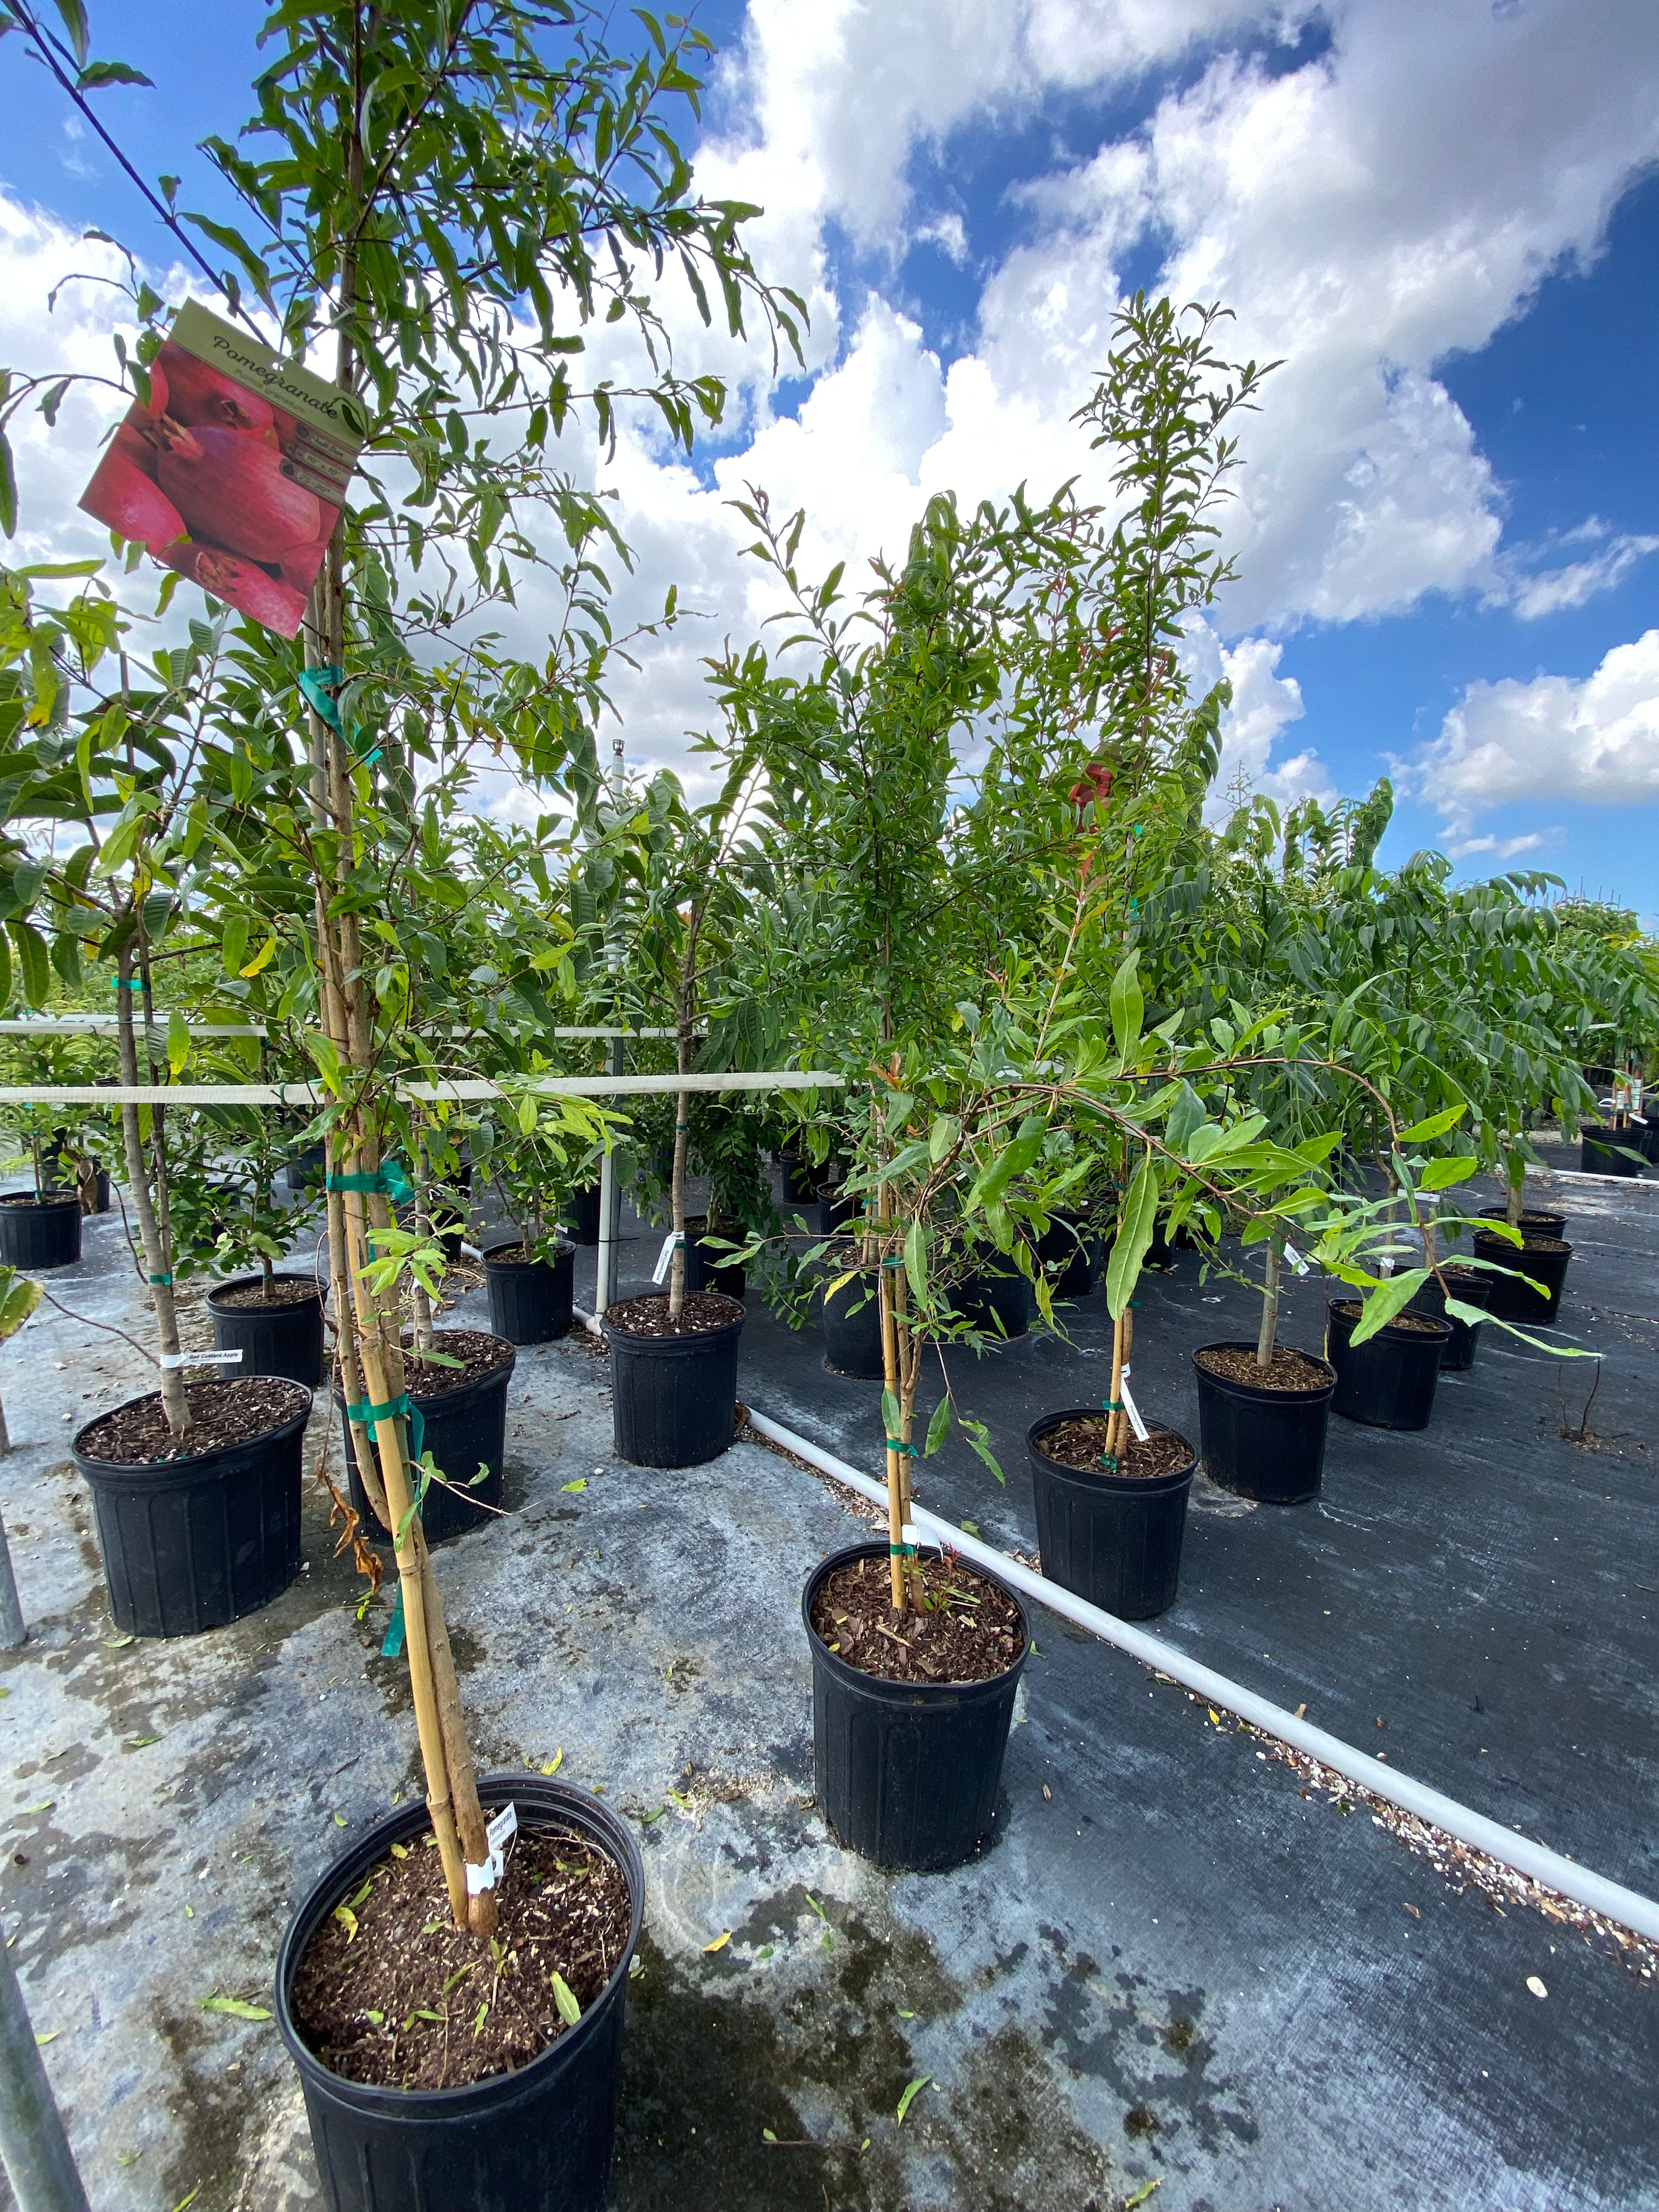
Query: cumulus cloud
[1554, 736]
[1539, 591]
[1264, 706]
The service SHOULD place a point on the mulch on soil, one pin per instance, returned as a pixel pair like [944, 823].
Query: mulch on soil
[389, 1991]
[648, 1315]
[285, 1291]
[1288, 1370]
[968, 1632]
[479, 1352]
[1412, 1324]
[234, 1412]
[1079, 1443]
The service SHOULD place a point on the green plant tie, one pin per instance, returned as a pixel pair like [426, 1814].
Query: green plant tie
[1111, 1405]
[393, 1644]
[902, 1551]
[390, 1178]
[126, 983]
[319, 685]
[368, 1415]
[367, 760]
[894, 1445]
[162, 1279]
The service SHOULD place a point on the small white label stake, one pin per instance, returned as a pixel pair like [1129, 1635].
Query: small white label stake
[169, 1360]
[664, 1260]
[498, 1832]
[1133, 1410]
[1299, 1265]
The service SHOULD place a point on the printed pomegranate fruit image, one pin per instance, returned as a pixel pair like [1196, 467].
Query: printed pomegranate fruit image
[217, 482]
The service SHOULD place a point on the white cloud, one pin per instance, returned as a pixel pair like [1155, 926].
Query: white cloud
[1555, 736]
[1550, 591]
[1264, 706]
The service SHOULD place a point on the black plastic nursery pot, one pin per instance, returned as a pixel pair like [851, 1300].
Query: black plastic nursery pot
[196, 1543]
[305, 1169]
[993, 1295]
[1533, 1223]
[1607, 1152]
[907, 1772]
[538, 2139]
[1470, 1288]
[282, 1338]
[1265, 1444]
[800, 1179]
[674, 1399]
[1113, 1538]
[530, 1300]
[707, 1269]
[836, 1210]
[583, 1209]
[1073, 1253]
[465, 1428]
[851, 1322]
[1389, 1381]
[1542, 1261]
[39, 1232]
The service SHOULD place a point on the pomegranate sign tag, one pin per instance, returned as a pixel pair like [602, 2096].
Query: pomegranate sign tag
[235, 472]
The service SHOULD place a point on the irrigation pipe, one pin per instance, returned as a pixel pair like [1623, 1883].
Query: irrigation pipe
[1536, 1861]
[466, 1088]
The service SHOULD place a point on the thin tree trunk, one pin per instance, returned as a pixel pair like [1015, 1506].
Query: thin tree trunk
[1264, 1343]
[152, 1241]
[686, 996]
[894, 1384]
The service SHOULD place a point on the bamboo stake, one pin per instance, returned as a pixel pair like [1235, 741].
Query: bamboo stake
[890, 1368]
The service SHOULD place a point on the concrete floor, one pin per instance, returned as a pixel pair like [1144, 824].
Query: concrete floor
[1170, 1968]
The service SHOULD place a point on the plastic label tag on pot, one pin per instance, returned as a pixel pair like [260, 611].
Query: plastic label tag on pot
[1299, 1265]
[1132, 1409]
[660, 1272]
[171, 1359]
[504, 1827]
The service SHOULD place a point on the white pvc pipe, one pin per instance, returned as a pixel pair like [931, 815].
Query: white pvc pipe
[1536, 1861]
[312, 1094]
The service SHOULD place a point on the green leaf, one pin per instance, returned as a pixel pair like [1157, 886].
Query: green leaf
[565, 1997]
[570, 1489]
[943, 1133]
[1134, 1241]
[1440, 1175]
[178, 1041]
[915, 1260]
[33, 961]
[74, 22]
[1386, 1301]
[1128, 1004]
[938, 1429]
[911, 2091]
[234, 2007]
[890, 1413]
[97, 75]
[1437, 1126]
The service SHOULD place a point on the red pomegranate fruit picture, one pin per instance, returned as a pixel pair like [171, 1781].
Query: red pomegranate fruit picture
[219, 482]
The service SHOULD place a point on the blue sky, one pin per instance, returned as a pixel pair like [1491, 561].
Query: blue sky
[1444, 214]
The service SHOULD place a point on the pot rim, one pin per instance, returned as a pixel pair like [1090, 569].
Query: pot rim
[191, 1464]
[283, 1305]
[45, 1200]
[502, 1371]
[920, 1693]
[1443, 1327]
[1134, 1486]
[374, 2098]
[1260, 1390]
[487, 1253]
[1534, 1243]
[616, 1334]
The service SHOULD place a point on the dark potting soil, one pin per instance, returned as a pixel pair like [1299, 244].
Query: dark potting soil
[284, 1293]
[30, 1198]
[968, 1632]
[1079, 1443]
[648, 1315]
[232, 1413]
[479, 1352]
[1287, 1370]
[389, 1991]
[511, 1255]
[1413, 1324]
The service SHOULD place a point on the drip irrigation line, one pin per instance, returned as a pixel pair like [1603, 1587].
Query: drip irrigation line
[464, 1090]
[1535, 1860]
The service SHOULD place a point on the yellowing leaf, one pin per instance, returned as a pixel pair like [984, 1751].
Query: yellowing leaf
[235, 2008]
[51, 2036]
[400, 1850]
[719, 1942]
[556, 1762]
[565, 1997]
[348, 1920]
[911, 2091]
[262, 958]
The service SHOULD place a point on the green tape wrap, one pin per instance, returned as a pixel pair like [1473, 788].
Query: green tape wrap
[319, 685]
[126, 983]
[391, 1179]
[894, 1445]
[162, 1279]
[394, 1629]
[368, 1415]
[902, 1551]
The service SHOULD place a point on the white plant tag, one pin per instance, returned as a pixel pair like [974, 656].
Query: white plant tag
[171, 1359]
[664, 1260]
[1299, 1265]
[1133, 1410]
[496, 1835]
[1385, 1266]
[908, 1534]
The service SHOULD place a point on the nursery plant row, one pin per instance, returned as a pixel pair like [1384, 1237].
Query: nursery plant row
[948, 852]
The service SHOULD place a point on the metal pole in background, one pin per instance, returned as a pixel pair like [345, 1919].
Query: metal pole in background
[604, 1276]
[39, 2165]
[11, 1613]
